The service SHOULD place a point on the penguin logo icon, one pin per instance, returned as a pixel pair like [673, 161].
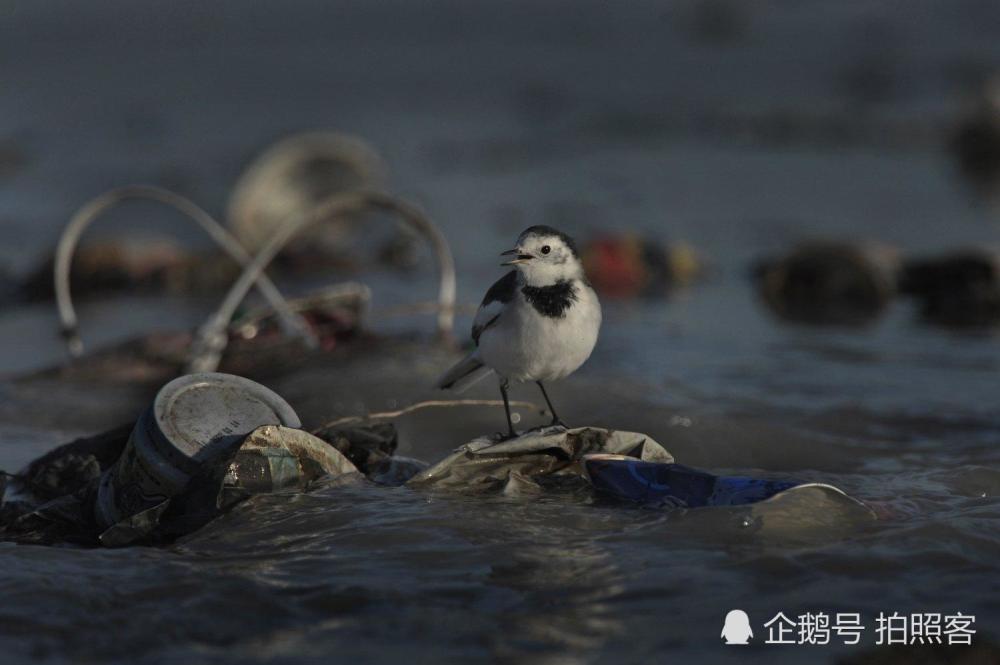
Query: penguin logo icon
[737, 629]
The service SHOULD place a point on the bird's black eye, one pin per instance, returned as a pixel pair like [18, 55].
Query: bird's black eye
[546, 249]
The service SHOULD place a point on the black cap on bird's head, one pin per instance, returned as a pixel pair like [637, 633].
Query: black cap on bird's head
[545, 255]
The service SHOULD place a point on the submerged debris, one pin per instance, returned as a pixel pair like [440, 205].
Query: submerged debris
[829, 282]
[207, 442]
[210, 441]
[960, 289]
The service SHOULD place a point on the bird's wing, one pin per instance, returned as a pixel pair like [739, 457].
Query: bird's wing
[501, 293]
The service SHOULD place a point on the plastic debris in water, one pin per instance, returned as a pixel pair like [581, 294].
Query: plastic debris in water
[207, 442]
[485, 463]
[194, 421]
[676, 484]
[274, 458]
[762, 507]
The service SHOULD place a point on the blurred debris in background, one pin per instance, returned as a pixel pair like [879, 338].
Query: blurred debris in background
[137, 265]
[960, 288]
[627, 265]
[291, 178]
[826, 282]
[288, 179]
[976, 142]
[333, 314]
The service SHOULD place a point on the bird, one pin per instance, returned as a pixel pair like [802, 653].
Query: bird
[539, 322]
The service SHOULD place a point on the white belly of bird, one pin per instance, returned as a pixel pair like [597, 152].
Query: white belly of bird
[526, 346]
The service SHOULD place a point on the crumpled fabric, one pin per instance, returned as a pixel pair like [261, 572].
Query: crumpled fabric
[517, 465]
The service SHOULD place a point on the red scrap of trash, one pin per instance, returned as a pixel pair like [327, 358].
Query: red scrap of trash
[627, 265]
[614, 265]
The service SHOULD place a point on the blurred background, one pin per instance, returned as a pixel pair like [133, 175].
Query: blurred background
[740, 128]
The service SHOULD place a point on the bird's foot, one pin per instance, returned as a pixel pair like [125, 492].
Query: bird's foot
[557, 422]
[500, 437]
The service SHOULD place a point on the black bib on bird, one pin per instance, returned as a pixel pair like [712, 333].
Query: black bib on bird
[552, 300]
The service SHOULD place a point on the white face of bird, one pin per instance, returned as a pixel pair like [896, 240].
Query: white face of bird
[545, 256]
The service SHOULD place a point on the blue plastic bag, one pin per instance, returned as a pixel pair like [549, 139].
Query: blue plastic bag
[676, 484]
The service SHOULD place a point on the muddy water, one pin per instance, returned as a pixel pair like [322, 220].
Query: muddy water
[495, 119]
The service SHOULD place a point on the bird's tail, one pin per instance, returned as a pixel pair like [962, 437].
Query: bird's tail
[464, 373]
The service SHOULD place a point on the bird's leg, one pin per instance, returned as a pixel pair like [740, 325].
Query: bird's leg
[511, 434]
[556, 420]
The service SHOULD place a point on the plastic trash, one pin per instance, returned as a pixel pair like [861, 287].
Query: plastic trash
[194, 421]
[274, 458]
[484, 463]
[675, 484]
[736, 505]
[207, 442]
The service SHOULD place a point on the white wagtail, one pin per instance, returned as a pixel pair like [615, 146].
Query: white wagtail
[539, 322]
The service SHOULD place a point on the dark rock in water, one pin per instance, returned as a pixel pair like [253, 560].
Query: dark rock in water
[829, 282]
[961, 289]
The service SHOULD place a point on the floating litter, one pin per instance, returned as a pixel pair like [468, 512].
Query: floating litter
[194, 420]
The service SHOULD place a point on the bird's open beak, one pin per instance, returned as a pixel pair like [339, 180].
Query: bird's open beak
[520, 257]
